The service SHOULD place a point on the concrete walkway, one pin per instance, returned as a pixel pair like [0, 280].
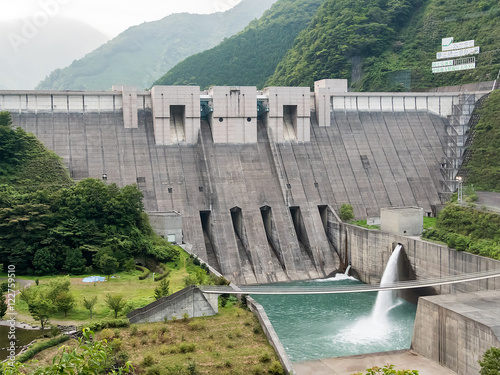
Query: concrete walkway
[403, 359]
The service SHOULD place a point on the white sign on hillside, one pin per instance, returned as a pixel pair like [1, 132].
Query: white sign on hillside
[450, 50]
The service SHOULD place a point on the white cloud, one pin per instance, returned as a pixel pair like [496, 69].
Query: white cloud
[111, 16]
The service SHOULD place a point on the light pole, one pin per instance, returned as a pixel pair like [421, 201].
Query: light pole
[460, 190]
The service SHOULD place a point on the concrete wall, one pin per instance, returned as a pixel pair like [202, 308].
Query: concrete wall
[271, 335]
[455, 330]
[403, 221]
[234, 116]
[369, 252]
[283, 129]
[189, 301]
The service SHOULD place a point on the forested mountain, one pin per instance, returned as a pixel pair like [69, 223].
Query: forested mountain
[26, 61]
[251, 56]
[141, 54]
[375, 43]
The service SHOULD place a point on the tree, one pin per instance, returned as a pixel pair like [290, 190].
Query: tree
[115, 302]
[490, 363]
[44, 262]
[75, 262]
[40, 308]
[162, 290]
[3, 305]
[57, 286]
[89, 304]
[65, 302]
[108, 264]
[5, 119]
[346, 212]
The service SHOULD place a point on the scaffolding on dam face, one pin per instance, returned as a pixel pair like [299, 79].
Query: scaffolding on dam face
[328, 289]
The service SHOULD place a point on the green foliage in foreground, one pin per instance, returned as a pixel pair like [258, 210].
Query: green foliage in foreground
[250, 57]
[387, 370]
[89, 357]
[484, 165]
[490, 363]
[467, 229]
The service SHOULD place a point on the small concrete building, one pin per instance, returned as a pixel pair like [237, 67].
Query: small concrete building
[167, 225]
[289, 115]
[402, 221]
[176, 114]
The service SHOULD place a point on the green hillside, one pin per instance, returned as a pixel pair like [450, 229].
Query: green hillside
[251, 56]
[139, 55]
[373, 44]
[483, 169]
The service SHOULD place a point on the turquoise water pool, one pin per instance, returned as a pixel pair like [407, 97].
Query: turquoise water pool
[334, 325]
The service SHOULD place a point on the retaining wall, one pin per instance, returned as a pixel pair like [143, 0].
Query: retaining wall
[271, 335]
[455, 330]
[369, 252]
[189, 301]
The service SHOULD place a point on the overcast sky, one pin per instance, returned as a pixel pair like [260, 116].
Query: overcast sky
[108, 16]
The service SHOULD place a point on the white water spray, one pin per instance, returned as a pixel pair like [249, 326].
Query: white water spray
[346, 273]
[385, 299]
[376, 327]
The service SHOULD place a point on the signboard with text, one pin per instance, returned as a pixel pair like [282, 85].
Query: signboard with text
[449, 50]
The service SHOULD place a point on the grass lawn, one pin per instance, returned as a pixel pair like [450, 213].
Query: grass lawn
[231, 342]
[430, 222]
[137, 293]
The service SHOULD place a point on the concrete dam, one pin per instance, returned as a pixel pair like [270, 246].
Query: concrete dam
[258, 176]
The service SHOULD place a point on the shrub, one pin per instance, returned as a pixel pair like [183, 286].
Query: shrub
[265, 357]
[116, 345]
[148, 361]
[346, 212]
[196, 325]
[153, 371]
[107, 334]
[187, 347]
[257, 370]
[37, 348]
[145, 272]
[490, 363]
[134, 329]
[192, 368]
[121, 358]
[105, 323]
[276, 369]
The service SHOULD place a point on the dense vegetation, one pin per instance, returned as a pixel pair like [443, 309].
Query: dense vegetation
[372, 41]
[141, 54]
[467, 229]
[49, 224]
[483, 169]
[341, 31]
[251, 56]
